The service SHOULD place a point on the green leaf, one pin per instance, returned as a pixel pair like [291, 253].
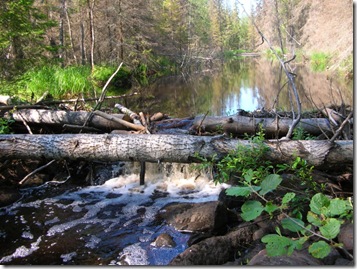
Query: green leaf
[319, 249]
[271, 182]
[313, 219]
[288, 197]
[239, 191]
[270, 207]
[292, 224]
[318, 202]
[278, 245]
[249, 175]
[251, 210]
[337, 207]
[331, 229]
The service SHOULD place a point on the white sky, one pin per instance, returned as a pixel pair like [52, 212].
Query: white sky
[246, 3]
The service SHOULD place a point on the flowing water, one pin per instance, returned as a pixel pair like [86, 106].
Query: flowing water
[114, 222]
[109, 224]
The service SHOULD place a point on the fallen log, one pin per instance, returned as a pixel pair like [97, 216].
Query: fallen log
[165, 148]
[60, 117]
[273, 127]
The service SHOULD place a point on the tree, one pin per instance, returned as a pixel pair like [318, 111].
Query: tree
[22, 32]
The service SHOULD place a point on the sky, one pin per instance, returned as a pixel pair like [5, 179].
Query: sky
[246, 3]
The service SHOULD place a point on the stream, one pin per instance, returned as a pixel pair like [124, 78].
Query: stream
[114, 222]
[108, 224]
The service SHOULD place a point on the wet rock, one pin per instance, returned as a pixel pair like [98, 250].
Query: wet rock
[341, 261]
[164, 240]
[8, 196]
[216, 250]
[346, 236]
[297, 258]
[210, 217]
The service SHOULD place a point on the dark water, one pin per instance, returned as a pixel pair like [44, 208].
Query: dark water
[248, 84]
[109, 224]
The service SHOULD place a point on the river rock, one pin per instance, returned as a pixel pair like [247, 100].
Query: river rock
[346, 236]
[216, 250]
[208, 217]
[297, 258]
[8, 196]
[164, 240]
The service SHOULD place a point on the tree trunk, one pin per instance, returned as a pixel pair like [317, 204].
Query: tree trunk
[60, 117]
[165, 148]
[273, 127]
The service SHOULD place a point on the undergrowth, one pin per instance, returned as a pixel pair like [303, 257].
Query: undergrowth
[260, 182]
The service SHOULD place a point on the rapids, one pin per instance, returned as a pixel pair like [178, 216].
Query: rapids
[112, 223]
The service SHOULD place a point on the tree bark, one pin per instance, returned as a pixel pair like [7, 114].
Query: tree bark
[273, 127]
[60, 117]
[165, 148]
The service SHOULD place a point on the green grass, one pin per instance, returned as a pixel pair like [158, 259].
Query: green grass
[64, 82]
[319, 61]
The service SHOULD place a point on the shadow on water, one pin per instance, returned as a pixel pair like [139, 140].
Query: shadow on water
[248, 84]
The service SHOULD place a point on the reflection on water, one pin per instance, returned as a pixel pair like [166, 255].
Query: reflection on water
[248, 84]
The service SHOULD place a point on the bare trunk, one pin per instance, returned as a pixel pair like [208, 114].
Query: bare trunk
[165, 148]
[273, 127]
[42, 116]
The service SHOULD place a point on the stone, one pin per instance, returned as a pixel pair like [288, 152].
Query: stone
[346, 236]
[216, 250]
[297, 258]
[208, 217]
[164, 240]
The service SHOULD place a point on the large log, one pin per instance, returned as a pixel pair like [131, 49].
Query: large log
[164, 148]
[273, 127]
[61, 117]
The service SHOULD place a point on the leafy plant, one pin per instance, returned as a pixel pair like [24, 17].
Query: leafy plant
[258, 178]
[5, 126]
[300, 134]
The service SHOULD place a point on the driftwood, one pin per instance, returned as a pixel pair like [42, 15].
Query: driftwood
[165, 148]
[273, 127]
[60, 117]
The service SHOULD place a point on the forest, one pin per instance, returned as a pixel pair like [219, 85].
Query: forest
[61, 59]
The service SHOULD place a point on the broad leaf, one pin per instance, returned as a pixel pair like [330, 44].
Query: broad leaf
[239, 191]
[278, 245]
[331, 229]
[270, 207]
[270, 183]
[293, 224]
[288, 197]
[319, 249]
[251, 210]
[337, 207]
[313, 219]
[318, 202]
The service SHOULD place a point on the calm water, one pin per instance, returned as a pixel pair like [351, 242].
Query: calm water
[248, 84]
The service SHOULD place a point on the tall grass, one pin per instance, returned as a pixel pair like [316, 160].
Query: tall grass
[57, 81]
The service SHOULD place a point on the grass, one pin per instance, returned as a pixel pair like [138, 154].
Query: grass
[64, 82]
[319, 61]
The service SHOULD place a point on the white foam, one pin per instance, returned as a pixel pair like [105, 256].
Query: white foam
[67, 257]
[133, 255]
[22, 251]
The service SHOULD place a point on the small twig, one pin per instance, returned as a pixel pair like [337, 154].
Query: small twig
[35, 171]
[25, 123]
[102, 95]
[199, 126]
[339, 130]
